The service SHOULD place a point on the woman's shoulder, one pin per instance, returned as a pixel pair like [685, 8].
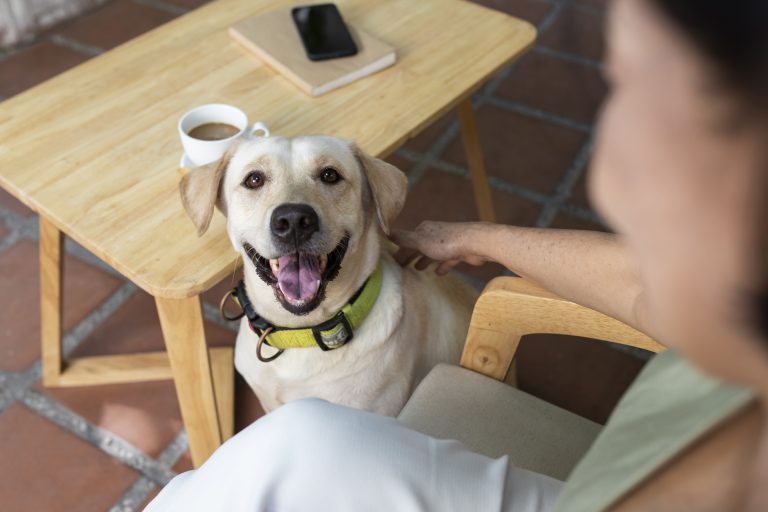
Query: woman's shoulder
[670, 405]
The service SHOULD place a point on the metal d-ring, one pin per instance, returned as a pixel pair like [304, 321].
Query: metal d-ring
[230, 293]
[261, 342]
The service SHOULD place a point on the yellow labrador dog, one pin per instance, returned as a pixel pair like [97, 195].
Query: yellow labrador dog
[328, 312]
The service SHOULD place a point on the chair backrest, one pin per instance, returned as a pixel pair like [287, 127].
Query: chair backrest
[511, 307]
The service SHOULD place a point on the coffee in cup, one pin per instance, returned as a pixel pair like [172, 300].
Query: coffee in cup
[207, 131]
[213, 131]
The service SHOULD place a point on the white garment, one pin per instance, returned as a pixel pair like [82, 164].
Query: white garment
[310, 455]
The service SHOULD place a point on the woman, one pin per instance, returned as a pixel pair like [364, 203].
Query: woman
[680, 170]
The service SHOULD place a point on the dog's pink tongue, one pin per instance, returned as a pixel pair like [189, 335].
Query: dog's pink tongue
[299, 276]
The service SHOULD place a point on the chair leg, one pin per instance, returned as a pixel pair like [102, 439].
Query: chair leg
[51, 279]
[182, 324]
[474, 153]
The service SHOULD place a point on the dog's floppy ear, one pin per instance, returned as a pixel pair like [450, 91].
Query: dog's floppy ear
[388, 186]
[200, 191]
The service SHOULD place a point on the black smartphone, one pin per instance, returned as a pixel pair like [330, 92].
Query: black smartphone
[323, 32]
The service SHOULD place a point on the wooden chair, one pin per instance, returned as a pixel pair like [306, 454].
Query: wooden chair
[472, 404]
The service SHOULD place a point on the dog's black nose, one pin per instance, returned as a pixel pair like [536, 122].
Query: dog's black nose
[294, 222]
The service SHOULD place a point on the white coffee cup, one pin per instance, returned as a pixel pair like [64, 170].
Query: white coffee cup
[201, 152]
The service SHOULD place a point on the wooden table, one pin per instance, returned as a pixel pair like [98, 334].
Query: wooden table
[94, 151]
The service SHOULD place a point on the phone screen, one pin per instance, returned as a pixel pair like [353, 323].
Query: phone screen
[323, 32]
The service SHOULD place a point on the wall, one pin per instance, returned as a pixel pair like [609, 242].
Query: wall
[21, 20]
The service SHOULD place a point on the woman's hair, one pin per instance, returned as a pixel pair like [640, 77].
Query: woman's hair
[733, 35]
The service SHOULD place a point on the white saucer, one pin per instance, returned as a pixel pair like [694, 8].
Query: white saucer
[185, 162]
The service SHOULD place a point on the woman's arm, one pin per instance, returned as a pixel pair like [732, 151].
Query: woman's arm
[590, 268]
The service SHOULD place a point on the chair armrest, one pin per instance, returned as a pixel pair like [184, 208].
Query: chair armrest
[511, 307]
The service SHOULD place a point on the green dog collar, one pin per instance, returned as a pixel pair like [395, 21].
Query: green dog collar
[335, 332]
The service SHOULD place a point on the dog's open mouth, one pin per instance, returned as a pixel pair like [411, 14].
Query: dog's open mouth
[299, 278]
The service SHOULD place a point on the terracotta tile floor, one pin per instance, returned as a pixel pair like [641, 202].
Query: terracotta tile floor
[112, 447]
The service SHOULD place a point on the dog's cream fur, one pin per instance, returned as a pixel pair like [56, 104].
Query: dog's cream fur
[418, 320]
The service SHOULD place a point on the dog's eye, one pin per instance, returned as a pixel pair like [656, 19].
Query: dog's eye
[253, 180]
[330, 175]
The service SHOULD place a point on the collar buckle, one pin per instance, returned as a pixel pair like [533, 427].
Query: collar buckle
[333, 333]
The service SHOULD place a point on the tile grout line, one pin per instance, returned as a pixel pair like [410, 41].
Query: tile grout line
[576, 169]
[7, 53]
[510, 188]
[488, 96]
[105, 441]
[557, 202]
[97, 317]
[211, 313]
[134, 496]
[563, 190]
[6, 396]
[19, 227]
[581, 212]
[163, 6]
[27, 228]
[536, 113]
[86, 256]
[12, 219]
[568, 57]
[16, 388]
[551, 17]
[9, 240]
[463, 172]
[141, 488]
[175, 449]
[18, 381]
[441, 143]
[494, 83]
[550, 209]
[498, 183]
[551, 204]
[438, 146]
[57, 39]
[76, 46]
[590, 9]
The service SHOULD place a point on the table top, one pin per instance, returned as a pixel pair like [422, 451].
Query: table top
[95, 150]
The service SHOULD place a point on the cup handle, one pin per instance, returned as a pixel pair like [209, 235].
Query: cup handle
[259, 127]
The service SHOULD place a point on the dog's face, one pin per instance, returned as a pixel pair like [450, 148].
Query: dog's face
[297, 209]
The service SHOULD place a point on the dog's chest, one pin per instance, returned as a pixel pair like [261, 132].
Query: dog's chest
[414, 325]
[362, 374]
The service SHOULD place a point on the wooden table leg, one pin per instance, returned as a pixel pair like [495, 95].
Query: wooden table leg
[182, 324]
[223, 371]
[474, 153]
[204, 383]
[51, 275]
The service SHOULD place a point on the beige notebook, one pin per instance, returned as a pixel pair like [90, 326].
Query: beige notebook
[274, 38]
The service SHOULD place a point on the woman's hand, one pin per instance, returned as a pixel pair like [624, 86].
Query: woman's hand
[447, 243]
[589, 268]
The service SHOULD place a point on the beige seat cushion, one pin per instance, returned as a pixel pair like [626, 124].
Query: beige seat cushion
[495, 419]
